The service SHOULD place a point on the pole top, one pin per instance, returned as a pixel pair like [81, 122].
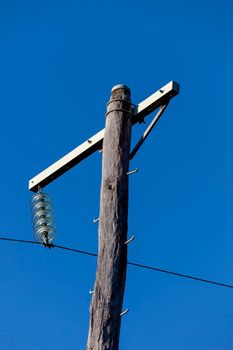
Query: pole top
[120, 86]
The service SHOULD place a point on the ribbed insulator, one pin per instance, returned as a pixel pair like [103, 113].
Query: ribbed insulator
[42, 218]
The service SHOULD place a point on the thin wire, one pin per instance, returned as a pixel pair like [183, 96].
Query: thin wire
[129, 263]
[18, 240]
[49, 246]
[74, 250]
[181, 275]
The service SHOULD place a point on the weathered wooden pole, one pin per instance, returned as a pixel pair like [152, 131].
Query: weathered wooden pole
[107, 301]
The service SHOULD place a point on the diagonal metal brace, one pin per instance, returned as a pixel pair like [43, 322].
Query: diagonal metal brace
[148, 130]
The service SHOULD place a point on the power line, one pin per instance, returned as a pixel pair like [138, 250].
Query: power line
[75, 250]
[49, 246]
[152, 268]
[18, 240]
[181, 275]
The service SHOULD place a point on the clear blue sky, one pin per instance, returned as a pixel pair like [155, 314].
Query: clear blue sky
[58, 63]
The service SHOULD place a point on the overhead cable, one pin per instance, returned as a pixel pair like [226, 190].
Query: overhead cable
[152, 268]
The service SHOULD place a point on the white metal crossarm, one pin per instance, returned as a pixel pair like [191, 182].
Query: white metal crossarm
[156, 100]
[67, 162]
[93, 144]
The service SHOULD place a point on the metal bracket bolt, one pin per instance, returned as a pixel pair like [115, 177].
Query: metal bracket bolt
[129, 240]
[132, 171]
[124, 312]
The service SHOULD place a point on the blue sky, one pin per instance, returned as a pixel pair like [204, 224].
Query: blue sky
[58, 63]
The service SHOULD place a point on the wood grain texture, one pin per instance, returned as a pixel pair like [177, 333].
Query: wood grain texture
[107, 300]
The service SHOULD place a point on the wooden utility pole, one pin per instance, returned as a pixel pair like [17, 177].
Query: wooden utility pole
[108, 294]
[106, 305]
